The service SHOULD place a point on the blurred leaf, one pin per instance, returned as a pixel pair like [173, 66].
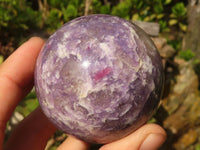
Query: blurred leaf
[183, 27]
[56, 3]
[14, 12]
[53, 148]
[167, 2]
[70, 12]
[158, 8]
[76, 3]
[31, 104]
[53, 20]
[176, 44]
[24, 26]
[197, 147]
[1, 59]
[135, 17]
[96, 6]
[31, 95]
[179, 9]
[122, 9]
[152, 120]
[27, 106]
[150, 17]
[163, 25]
[140, 4]
[197, 61]
[186, 55]
[105, 9]
[147, 19]
[172, 16]
[160, 16]
[173, 22]
[145, 11]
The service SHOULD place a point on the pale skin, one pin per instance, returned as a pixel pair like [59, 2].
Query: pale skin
[16, 80]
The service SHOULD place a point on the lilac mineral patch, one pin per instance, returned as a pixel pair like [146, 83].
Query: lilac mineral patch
[99, 78]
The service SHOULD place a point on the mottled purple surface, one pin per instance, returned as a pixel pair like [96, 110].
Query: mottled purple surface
[99, 78]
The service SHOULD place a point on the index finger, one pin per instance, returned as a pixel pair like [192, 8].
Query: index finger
[16, 77]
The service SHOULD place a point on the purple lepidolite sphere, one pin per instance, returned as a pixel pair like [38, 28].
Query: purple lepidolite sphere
[99, 78]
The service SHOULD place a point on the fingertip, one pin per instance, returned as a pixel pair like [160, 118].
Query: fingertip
[35, 38]
[17, 76]
[155, 138]
[153, 141]
[149, 136]
[35, 43]
[154, 128]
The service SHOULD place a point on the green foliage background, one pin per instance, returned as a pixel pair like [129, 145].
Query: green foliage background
[21, 17]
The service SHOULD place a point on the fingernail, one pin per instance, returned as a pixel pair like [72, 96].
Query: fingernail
[153, 142]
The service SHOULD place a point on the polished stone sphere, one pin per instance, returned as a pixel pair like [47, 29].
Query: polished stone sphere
[99, 78]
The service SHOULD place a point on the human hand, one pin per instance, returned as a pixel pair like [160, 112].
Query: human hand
[16, 78]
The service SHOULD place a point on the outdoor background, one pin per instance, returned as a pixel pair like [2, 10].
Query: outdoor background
[178, 43]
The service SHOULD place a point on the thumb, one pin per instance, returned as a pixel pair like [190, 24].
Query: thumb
[147, 137]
